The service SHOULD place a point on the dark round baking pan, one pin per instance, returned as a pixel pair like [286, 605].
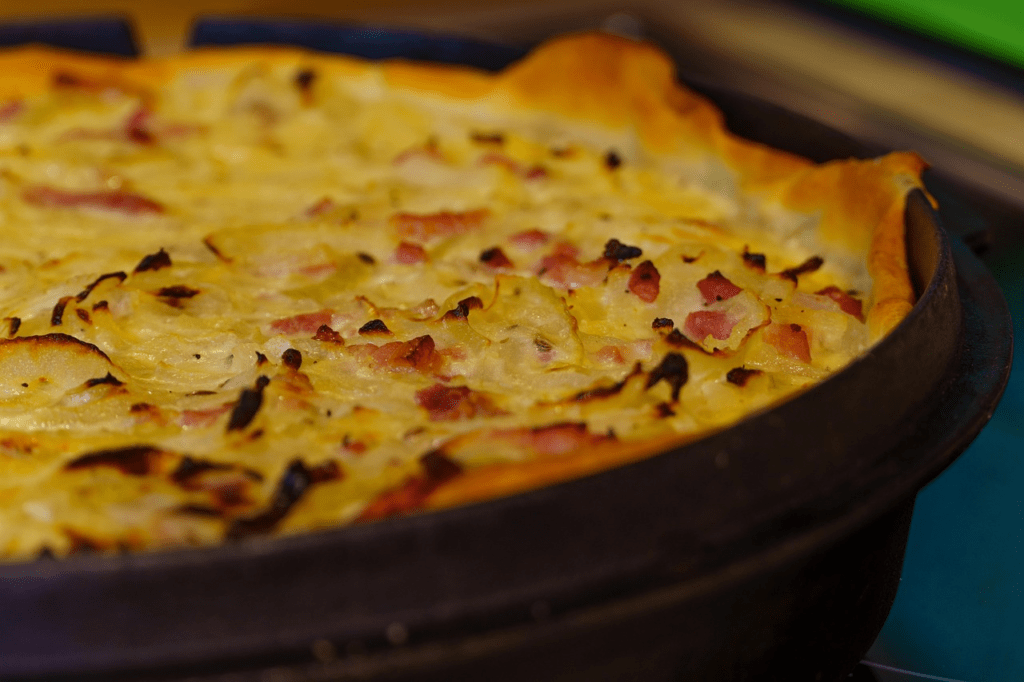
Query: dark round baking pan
[770, 550]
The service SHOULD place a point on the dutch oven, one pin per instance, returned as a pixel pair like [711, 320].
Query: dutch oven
[770, 550]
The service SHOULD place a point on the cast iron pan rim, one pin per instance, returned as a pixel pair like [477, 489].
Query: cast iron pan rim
[270, 546]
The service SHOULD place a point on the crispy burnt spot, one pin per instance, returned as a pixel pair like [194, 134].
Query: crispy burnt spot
[662, 323]
[294, 483]
[84, 293]
[177, 291]
[14, 325]
[437, 469]
[110, 379]
[191, 468]
[809, 265]
[218, 254]
[455, 403]
[57, 316]
[304, 79]
[691, 259]
[664, 410]
[755, 261]
[83, 315]
[134, 460]
[673, 370]
[100, 305]
[261, 359]
[375, 327]
[67, 80]
[741, 375]
[174, 296]
[599, 392]
[228, 484]
[645, 282]
[612, 160]
[617, 251]
[326, 334]
[461, 311]
[495, 258]
[154, 261]
[488, 138]
[292, 359]
[56, 339]
[249, 402]
[676, 339]
[366, 258]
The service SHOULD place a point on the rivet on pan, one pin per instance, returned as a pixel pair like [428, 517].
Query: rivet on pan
[323, 651]
[397, 634]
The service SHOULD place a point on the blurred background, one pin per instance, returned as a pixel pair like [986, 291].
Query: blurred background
[942, 77]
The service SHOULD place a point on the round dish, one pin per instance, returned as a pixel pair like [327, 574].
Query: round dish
[695, 532]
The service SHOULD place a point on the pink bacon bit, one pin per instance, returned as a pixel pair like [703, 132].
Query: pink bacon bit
[455, 403]
[563, 268]
[554, 440]
[10, 110]
[496, 259]
[194, 419]
[408, 253]
[847, 303]
[610, 354]
[325, 205]
[702, 323]
[423, 227]
[790, 340]
[645, 282]
[137, 128]
[118, 201]
[530, 239]
[305, 323]
[717, 287]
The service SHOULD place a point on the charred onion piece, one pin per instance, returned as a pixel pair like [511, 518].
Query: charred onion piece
[249, 403]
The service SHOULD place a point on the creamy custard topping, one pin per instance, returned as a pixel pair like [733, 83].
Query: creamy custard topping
[266, 292]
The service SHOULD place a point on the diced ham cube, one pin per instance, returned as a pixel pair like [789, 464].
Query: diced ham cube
[530, 239]
[847, 303]
[409, 254]
[703, 323]
[117, 201]
[423, 227]
[304, 323]
[645, 282]
[790, 340]
[717, 287]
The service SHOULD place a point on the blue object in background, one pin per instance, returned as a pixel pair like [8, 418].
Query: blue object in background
[959, 613]
[361, 41]
[107, 35]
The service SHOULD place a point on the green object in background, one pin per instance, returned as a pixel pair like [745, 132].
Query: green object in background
[994, 28]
